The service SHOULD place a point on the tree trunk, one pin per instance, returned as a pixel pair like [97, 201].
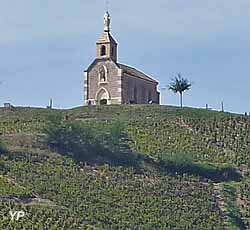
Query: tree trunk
[181, 100]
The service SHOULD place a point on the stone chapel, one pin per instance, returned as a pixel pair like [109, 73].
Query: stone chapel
[106, 81]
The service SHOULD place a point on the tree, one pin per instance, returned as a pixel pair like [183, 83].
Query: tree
[180, 85]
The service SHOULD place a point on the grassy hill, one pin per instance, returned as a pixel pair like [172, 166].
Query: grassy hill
[124, 167]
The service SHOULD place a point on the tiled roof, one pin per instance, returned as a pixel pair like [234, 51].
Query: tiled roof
[136, 73]
[106, 38]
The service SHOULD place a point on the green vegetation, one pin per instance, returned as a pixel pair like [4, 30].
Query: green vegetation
[244, 200]
[2, 147]
[234, 213]
[124, 167]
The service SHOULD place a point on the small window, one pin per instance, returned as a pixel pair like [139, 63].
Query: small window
[112, 51]
[103, 50]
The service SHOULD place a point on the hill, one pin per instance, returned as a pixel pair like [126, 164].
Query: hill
[124, 167]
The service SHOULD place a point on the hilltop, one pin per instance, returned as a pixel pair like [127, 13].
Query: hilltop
[124, 167]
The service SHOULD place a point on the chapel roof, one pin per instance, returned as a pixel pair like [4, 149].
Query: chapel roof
[106, 38]
[134, 72]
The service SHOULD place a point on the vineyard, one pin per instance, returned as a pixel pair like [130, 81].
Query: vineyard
[124, 167]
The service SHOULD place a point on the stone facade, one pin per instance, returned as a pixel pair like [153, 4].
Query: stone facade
[108, 82]
[138, 91]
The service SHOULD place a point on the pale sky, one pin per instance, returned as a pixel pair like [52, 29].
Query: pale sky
[45, 45]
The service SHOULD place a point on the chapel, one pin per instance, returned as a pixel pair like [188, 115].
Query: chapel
[107, 82]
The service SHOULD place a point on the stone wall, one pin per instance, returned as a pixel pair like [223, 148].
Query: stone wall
[112, 86]
[119, 87]
[139, 91]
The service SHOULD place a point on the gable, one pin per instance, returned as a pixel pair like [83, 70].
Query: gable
[96, 61]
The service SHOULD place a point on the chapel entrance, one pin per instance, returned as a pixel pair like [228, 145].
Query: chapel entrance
[102, 97]
[103, 102]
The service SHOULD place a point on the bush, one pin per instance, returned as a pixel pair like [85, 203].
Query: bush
[89, 143]
[72, 140]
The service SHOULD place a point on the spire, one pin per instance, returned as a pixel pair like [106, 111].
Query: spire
[107, 21]
[106, 44]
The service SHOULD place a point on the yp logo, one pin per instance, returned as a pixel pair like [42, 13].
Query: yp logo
[16, 215]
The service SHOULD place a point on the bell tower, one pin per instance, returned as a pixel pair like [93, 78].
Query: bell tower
[106, 45]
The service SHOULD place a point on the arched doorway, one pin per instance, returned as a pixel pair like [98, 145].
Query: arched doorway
[102, 97]
[103, 102]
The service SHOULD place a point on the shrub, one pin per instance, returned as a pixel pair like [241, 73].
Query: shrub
[89, 143]
[72, 140]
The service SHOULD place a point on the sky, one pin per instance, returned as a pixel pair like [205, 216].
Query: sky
[46, 45]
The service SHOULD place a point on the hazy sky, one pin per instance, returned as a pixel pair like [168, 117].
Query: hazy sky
[45, 45]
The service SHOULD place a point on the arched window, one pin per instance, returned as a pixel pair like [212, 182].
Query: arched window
[103, 50]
